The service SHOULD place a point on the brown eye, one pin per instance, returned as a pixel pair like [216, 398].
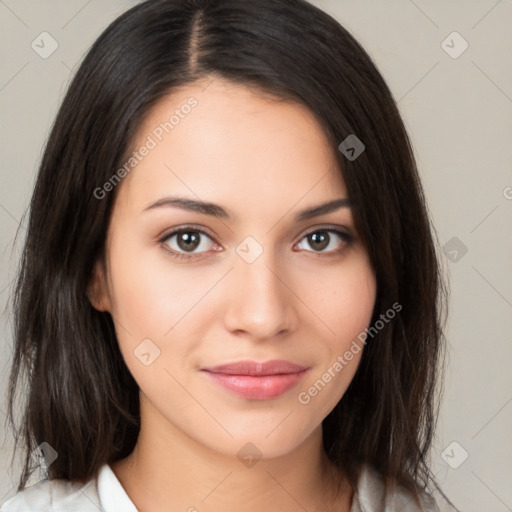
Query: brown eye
[183, 243]
[321, 239]
[188, 240]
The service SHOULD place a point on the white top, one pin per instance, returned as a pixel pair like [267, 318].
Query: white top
[106, 494]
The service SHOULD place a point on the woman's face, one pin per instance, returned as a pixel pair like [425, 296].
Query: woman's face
[249, 279]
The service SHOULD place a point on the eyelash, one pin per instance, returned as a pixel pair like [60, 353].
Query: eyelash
[347, 240]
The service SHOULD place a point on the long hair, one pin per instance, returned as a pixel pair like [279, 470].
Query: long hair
[80, 397]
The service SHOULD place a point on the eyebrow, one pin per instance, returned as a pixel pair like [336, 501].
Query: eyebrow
[215, 210]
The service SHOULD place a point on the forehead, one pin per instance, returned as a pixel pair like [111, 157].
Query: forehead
[227, 143]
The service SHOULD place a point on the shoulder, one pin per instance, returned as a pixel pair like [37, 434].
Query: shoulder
[103, 492]
[369, 496]
[55, 496]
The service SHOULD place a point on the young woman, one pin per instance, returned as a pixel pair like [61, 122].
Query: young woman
[229, 297]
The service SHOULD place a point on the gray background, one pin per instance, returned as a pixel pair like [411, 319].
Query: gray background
[458, 110]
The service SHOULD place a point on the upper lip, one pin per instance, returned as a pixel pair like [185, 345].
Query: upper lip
[274, 367]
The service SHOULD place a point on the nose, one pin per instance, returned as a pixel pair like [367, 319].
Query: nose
[261, 303]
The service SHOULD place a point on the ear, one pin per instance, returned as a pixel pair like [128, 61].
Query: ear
[97, 290]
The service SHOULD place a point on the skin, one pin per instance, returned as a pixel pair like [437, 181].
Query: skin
[264, 161]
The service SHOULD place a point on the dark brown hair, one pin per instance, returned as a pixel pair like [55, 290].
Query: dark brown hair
[81, 398]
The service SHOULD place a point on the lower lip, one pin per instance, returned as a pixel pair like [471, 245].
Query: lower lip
[263, 387]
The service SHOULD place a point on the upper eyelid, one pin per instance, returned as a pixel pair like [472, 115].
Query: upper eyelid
[177, 231]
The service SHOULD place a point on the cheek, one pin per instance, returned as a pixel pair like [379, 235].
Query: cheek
[159, 307]
[150, 292]
[346, 307]
[347, 299]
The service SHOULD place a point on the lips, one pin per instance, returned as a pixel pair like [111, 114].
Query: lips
[257, 381]
[274, 367]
